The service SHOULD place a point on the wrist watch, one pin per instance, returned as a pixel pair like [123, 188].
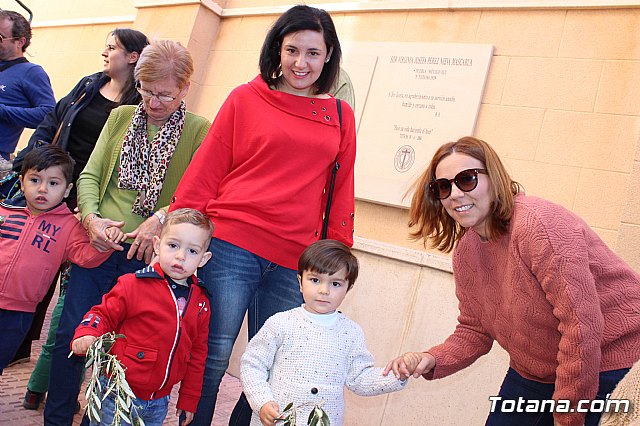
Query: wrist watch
[161, 216]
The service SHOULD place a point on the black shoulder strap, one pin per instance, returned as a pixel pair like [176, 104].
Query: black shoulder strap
[20, 60]
[332, 181]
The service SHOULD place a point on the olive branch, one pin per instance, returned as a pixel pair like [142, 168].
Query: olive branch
[317, 416]
[105, 364]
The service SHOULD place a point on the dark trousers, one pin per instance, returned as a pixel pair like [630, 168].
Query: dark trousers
[515, 386]
[86, 288]
[24, 350]
[14, 326]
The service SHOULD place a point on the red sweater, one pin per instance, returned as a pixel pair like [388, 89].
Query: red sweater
[161, 348]
[553, 295]
[32, 248]
[261, 172]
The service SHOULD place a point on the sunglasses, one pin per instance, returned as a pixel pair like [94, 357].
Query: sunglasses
[466, 180]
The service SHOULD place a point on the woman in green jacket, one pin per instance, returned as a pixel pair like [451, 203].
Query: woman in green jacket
[128, 183]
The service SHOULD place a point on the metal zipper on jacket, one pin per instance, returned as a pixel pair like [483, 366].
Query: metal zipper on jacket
[176, 339]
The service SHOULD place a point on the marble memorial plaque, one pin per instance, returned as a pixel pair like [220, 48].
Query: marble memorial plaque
[410, 99]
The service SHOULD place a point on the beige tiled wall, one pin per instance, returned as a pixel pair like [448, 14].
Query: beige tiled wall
[563, 80]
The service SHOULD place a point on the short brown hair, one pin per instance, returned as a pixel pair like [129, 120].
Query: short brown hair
[21, 27]
[191, 216]
[328, 257]
[432, 220]
[164, 59]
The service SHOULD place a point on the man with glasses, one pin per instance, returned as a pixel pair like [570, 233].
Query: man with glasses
[25, 90]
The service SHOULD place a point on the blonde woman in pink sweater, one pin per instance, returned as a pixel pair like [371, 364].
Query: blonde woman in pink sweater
[532, 276]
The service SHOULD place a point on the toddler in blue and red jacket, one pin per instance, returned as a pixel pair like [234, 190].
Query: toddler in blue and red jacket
[37, 234]
[164, 316]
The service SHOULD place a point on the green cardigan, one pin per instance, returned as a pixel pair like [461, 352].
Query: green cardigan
[94, 179]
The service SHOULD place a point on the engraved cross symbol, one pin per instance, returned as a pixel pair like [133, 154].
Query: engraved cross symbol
[405, 153]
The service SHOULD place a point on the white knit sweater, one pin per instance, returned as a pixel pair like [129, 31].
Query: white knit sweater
[291, 359]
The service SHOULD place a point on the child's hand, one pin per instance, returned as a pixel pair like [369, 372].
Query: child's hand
[411, 363]
[269, 412]
[80, 346]
[188, 417]
[115, 234]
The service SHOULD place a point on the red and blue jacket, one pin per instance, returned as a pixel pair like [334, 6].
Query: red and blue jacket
[161, 347]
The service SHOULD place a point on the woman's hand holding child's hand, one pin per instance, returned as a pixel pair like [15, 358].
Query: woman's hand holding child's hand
[269, 413]
[115, 234]
[411, 364]
[80, 346]
[96, 228]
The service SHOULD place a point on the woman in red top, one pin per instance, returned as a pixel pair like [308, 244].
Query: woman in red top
[532, 276]
[261, 175]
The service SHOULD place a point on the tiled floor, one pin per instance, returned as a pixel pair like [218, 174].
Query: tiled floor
[14, 380]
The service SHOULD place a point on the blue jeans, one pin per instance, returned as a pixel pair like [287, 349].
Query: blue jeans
[86, 288]
[14, 326]
[153, 412]
[515, 386]
[238, 281]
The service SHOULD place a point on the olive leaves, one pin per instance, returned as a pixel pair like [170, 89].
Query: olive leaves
[317, 416]
[108, 366]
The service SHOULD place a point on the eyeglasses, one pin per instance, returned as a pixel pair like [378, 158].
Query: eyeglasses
[149, 94]
[466, 180]
[2, 38]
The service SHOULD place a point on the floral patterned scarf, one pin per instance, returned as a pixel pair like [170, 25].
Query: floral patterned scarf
[144, 163]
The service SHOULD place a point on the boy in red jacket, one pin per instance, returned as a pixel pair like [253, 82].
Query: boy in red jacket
[164, 315]
[37, 234]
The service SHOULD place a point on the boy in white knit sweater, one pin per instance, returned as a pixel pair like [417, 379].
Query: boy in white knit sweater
[308, 354]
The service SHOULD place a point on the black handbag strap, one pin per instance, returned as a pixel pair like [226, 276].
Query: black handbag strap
[332, 181]
[9, 64]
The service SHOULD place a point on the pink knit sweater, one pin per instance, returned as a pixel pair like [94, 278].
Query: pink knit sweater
[553, 295]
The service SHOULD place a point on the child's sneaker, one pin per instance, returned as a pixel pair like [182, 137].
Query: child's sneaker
[32, 400]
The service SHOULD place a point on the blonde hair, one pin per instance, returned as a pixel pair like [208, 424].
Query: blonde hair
[432, 221]
[164, 59]
[192, 216]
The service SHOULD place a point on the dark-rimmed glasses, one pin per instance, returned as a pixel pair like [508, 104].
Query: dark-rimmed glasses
[148, 94]
[466, 180]
[3, 38]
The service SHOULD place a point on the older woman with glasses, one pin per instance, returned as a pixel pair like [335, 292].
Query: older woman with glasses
[128, 182]
[530, 275]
